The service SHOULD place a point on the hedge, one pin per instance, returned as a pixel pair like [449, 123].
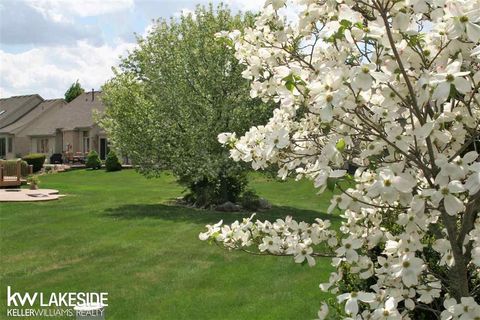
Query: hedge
[36, 160]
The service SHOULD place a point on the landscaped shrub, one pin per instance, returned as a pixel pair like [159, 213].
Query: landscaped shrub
[112, 163]
[33, 181]
[217, 189]
[93, 160]
[250, 200]
[36, 160]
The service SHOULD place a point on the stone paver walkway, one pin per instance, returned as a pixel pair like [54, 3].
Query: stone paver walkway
[19, 195]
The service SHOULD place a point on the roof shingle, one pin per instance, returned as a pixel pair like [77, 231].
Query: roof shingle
[14, 108]
[66, 116]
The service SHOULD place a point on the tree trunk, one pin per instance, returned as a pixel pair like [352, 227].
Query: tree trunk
[458, 276]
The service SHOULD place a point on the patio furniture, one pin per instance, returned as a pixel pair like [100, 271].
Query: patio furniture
[73, 158]
[56, 158]
[69, 157]
[14, 173]
[79, 157]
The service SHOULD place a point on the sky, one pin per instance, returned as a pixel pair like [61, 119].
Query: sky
[46, 45]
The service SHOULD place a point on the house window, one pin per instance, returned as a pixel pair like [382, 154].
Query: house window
[3, 148]
[86, 142]
[42, 145]
[10, 145]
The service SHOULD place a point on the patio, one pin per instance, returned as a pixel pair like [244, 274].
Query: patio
[27, 195]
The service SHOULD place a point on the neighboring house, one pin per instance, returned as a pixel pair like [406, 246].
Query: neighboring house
[12, 110]
[18, 142]
[54, 126]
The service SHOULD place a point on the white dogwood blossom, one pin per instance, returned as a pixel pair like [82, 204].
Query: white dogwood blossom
[390, 91]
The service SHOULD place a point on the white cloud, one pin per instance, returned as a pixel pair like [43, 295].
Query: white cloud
[49, 71]
[63, 10]
[20, 24]
[246, 5]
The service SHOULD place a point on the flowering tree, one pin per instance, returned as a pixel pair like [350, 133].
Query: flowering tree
[393, 88]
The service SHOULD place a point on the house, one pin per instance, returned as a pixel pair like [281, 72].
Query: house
[17, 142]
[11, 110]
[53, 127]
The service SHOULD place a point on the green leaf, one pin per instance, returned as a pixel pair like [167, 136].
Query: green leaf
[341, 145]
[331, 183]
[290, 85]
[289, 82]
[345, 23]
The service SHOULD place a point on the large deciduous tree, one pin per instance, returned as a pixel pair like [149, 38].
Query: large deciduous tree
[175, 93]
[393, 87]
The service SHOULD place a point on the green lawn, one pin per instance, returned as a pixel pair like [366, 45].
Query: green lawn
[116, 233]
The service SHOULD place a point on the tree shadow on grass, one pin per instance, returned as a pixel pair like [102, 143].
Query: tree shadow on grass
[180, 213]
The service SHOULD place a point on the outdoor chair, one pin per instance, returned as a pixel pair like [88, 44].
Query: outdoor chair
[79, 157]
[14, 173]
[69, 157]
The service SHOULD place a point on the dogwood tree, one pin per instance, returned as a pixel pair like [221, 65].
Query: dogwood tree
[391, 87]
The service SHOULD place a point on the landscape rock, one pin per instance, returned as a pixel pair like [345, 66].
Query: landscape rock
[228, 207]
[264, 204]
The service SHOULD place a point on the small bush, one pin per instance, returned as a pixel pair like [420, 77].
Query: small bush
[36, 160]
[227, 186]
[250, 200]
[33, 181]
[93, 160]
[112, 163]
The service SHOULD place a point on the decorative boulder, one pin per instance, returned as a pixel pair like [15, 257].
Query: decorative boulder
[228, 207]
[264, 204]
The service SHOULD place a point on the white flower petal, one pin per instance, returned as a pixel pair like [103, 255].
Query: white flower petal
[473, 183]
[403, 184]
[409, 304]
[323, 312]
[351, 307]
[366, 296]
[311, 261]
[442, 91]
[424, 131]
[343, 297]
[409, 278]
[456, 186]
[473, 32]
[390, 303]
[470, 157]
[462, 85]
[337, 173]
[453, 205]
